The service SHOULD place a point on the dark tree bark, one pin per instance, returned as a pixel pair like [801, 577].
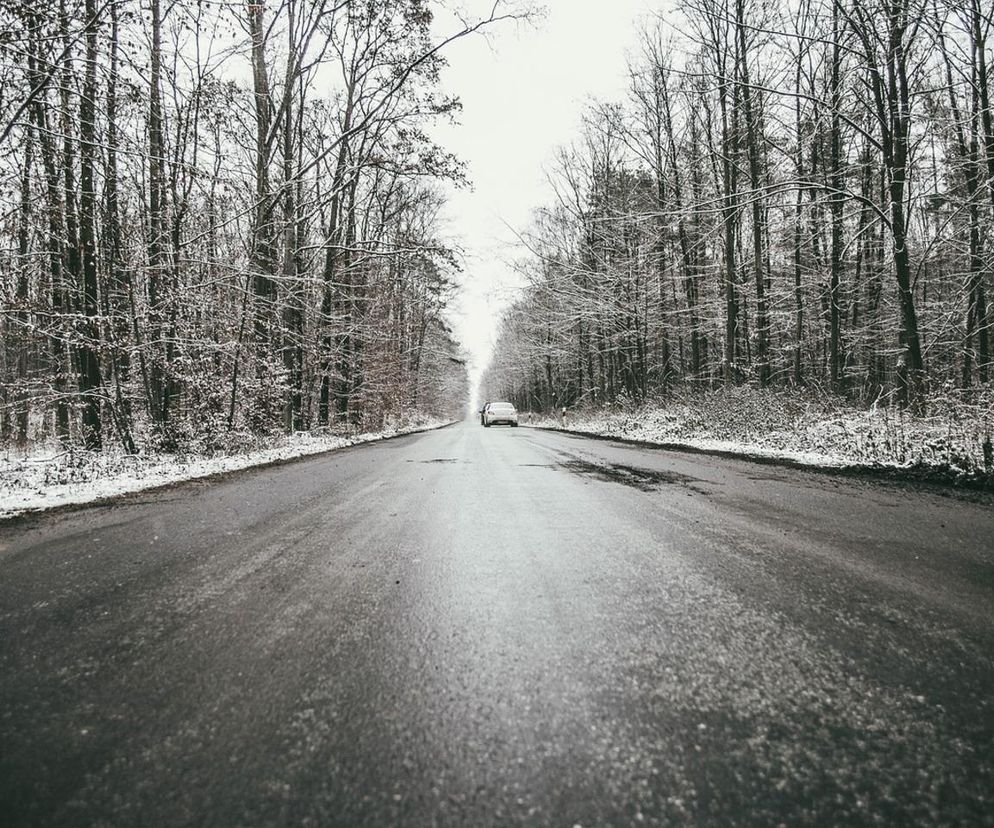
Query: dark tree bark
[263, 260]
[753, 138]
[293, 311]
[798, 361]
[55, 242]
[334, 248]
[888, 83]
[90, 379]
[687, 244]
[159, 388]
[729, 149]
[21, 342]
[836, 201]
[117, 287]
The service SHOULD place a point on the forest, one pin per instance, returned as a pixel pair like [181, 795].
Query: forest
[790, 196]
[222, 219]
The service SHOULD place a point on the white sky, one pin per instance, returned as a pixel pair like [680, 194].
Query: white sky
[523, 92]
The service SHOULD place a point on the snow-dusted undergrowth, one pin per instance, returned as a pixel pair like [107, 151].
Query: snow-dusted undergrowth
[45, 477]
[953, 437]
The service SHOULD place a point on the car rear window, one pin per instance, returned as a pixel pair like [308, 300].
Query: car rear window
[501, 407]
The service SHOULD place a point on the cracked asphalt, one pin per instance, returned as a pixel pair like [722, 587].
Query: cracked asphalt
[501, 627]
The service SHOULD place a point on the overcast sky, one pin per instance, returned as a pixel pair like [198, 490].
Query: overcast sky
[523, 92]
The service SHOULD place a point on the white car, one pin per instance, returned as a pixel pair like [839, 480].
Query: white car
[500, 412]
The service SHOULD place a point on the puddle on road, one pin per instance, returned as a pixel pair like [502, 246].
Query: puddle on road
[645, 480]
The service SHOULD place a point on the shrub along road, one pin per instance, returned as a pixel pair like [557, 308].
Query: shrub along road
[501, 626]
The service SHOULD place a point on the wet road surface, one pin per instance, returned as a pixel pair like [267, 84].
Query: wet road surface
[501, 627]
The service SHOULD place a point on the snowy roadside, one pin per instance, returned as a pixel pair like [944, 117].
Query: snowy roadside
[952, 444]
[37, 481]
[598, 428]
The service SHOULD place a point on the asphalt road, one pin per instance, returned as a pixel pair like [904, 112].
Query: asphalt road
[501, 627]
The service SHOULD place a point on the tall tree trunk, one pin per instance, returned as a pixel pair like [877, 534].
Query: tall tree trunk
[333, 242]
[896, 149]
[686, 244]
[117, 288]
[21, 342]
[349, 341]
[263, 247]
[753, 130]
[90, 380]
[729, 141]
[892, 105]
[55, 242]
[70, 300]
[798, 237]
[983, 122]
[293, 310]
[976, 310]
[159, 390]
[837, 183]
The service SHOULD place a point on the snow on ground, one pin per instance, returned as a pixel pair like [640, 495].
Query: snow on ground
[43, 480]
[803, 427]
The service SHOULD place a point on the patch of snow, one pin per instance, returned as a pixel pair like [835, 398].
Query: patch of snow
[37, 480]
[802, 428]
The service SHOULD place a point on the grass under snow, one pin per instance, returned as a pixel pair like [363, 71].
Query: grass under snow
[43, 477]
[950, 441]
